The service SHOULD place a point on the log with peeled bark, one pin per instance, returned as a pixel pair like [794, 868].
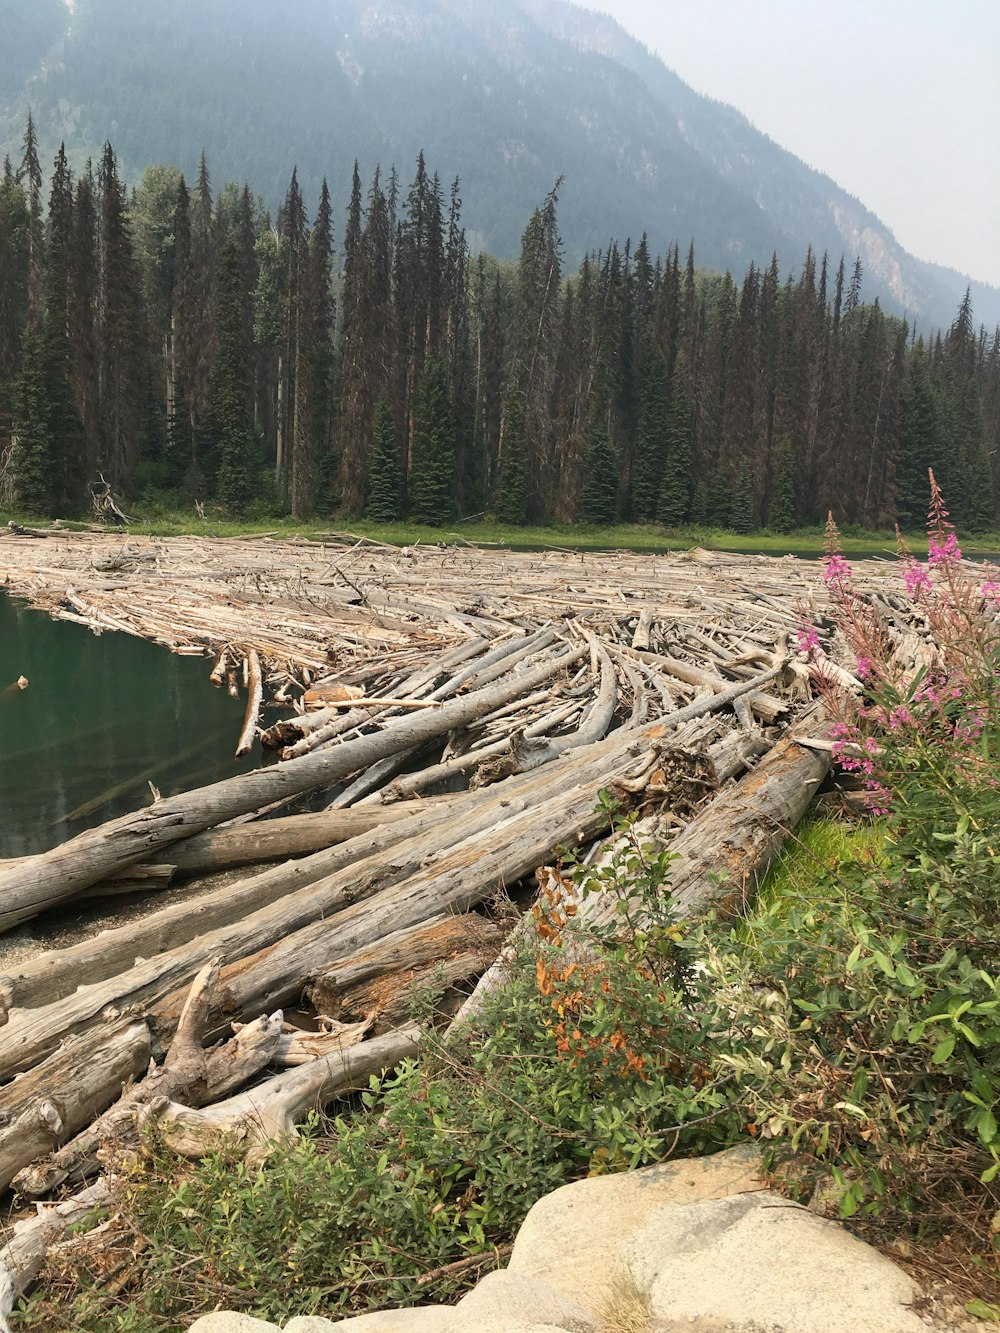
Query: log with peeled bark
[312, 730]
[245, 918]
[53, 877]
[725, 759]
[566, 800]
[301, 891]
[39, 1117]
[269, 1112]
[276, 839]
[189, 1073]
[254, 704]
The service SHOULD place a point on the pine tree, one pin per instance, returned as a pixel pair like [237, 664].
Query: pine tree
[530, 371]
[510, 496]
[433, 448]
[599, 496]
[654, 426]
[673, 506]
[741, 515]
[314, 363]
[29, 175]
[385, 479]
[119, 328]
[230, 398]
[781, 515]
[34, 464]
[13, 292]
[63, 425]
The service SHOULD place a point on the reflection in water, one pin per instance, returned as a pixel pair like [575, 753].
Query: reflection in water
[101, 718]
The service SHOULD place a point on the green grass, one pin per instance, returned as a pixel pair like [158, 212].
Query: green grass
[156, 521]
[820, 844]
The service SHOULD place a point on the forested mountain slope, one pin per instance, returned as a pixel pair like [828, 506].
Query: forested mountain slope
[507, 94]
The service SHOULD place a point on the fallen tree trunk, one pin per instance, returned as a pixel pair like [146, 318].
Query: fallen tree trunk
[381, 982]
[39, 1117]
[55, 876]
[189, 1072]
[275, 839]
[270, 1111]
[254, 704]
[55, 974]
[31, 1034]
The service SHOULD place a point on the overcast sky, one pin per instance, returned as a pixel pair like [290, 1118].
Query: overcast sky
[897, 100]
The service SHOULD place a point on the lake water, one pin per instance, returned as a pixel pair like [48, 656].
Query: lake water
[102, 717]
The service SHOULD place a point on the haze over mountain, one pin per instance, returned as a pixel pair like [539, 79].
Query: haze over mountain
[506, 94]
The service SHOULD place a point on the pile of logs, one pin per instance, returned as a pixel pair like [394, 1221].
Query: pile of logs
[459, 715]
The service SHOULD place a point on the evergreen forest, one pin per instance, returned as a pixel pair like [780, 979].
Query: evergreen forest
[180, 344]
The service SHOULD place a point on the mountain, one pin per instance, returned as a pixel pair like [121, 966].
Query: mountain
[508, 95]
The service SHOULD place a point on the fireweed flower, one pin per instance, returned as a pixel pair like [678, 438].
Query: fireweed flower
[938, 554]
[807, 640]
[835, 569]
[866, 667]
[990, 592]
[916, 578]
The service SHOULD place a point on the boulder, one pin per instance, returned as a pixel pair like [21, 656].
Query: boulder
[574, 1238]
[222, 1321]
[753, 1263]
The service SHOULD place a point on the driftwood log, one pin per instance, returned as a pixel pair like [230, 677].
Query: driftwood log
[55, 876]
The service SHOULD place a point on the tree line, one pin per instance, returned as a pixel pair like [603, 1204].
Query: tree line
[185, 346]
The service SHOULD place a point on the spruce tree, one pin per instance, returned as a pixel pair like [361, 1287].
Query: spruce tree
[599, 496]
[654, 426]
[385, 480]
[433, 448]
[34, 464]
[510, 495]
[230, 391]
[781, 514]
[673, 507]
[741, 514]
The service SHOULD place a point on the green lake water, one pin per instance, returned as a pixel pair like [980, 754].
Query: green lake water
[102, 717]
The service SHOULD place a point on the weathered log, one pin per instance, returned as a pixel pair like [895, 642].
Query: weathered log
[411, 783]
[381, 982]
[254, 704]
[319, 729]
[275, 839]
[724, 853]
[30, 1034]
[50, 976]
[270, 1111]
[37, 1117]
[24, 1252]
[454, 880]
[57, 875]
[189, 1073]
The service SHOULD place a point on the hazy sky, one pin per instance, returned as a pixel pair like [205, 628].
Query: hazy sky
[897, 100]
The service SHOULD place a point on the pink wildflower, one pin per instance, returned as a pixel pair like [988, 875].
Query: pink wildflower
[866, 668]
[916, 577]
[835, 568]
[938, 554]
[807, 640]
[991, 591]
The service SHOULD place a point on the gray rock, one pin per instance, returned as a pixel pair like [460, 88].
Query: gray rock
[755, 1263]
[224, 1321]
[421, 1319]
[519, 1297]
[574, 1239]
